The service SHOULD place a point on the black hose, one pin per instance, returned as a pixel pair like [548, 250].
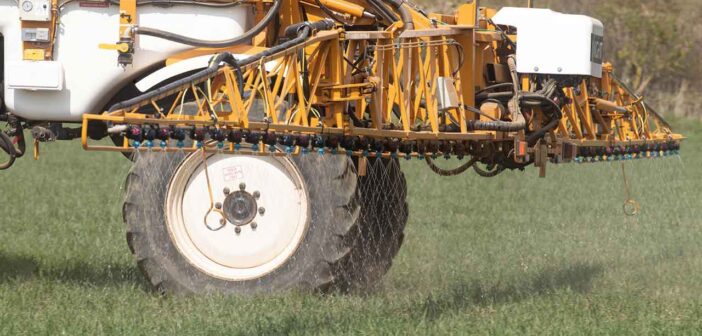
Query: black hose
[555, 118]
[383, 11]
[495, 87]
[450, 172]
[534, 137]
[9, 148]
[248, 35]
[491, 173]
[544, 99]
[497, 125]
[303, 30]
[461, 57]
[493, 95]
[518, 123]
[405, 14]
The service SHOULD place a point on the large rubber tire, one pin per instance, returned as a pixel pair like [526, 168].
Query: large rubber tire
[354, 229]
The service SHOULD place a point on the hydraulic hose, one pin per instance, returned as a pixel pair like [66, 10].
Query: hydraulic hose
[301, 30]
[534, 137]
[450, 172]
[518, 122]
[493, 95]
[383, 11]
[405, 14]
[497, 170]
[497, 125]
[555, 119]
[7, 146]
[248, 35]
[496, 86]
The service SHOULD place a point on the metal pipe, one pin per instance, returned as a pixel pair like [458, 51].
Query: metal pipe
[302, 30]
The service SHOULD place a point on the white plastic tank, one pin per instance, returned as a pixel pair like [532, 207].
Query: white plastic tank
[554, 43]
[91, 76]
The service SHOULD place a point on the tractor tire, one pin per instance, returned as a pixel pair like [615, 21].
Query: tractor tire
[381, 223]
[306, 229]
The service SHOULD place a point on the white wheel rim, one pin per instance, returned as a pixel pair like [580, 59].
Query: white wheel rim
[257, 249]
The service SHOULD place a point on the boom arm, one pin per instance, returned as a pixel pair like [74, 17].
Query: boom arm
[388, 81]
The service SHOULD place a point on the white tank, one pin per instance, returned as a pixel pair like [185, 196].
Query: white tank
[90, 76]
[554, 43]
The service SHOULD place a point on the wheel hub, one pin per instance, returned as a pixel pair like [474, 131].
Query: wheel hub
[254, 236]
[240, 208]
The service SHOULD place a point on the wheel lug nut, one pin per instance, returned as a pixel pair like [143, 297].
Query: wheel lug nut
[222, 221]
[218, 205]
[254, 225]
[256, 194]
[242, 186]
[226, 191]
[237, 230]
[261, 211]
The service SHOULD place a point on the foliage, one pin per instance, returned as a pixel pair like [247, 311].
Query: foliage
[654, 44]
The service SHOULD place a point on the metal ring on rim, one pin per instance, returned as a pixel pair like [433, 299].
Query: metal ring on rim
[234, 252]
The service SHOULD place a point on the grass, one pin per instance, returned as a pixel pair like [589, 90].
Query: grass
[511, 255]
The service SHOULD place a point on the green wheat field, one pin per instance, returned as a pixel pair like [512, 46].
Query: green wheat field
[511, 255]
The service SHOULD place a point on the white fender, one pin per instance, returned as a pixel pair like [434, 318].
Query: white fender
[196, 63]
[172, 70]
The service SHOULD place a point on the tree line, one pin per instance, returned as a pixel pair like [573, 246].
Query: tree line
[653, 44]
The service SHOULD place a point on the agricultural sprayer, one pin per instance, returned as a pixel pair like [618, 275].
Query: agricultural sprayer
[267, 135]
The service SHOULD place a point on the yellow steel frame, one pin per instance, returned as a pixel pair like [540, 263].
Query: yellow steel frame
[399, 96]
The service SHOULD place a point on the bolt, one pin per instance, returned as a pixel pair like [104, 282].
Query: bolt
[242, 186]
[218, 205]
[256, 194]
[226, 191]
[254, 226]
[261, 211]
[560, 69]
[536, 69]
[237, 230]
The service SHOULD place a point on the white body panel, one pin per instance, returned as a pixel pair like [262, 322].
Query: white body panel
[549, 42]
[34, 76]
[91, 75]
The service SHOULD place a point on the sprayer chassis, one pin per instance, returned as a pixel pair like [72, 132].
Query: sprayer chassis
[270, 161]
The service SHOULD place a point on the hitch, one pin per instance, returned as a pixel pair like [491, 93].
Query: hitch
[53, 132]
